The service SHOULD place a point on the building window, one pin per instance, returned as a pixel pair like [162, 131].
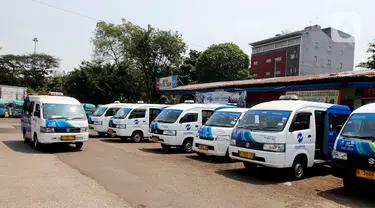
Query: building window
[278, 59]
[255, 63]
[316, 44]
[292, 56]
[329, 62]
[291, 70]
[268, 73]
[255, 75]
[278, 72]
[295, 70]
[329, 49]
[268, 60]
[342, 52]
[340, 65]
[315, 59]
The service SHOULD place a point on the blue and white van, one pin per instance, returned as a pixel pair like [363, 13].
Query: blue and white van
[214, 136]
[178, 125]
[48, 119]
[354, 150]
[286, 133]
[3, 108]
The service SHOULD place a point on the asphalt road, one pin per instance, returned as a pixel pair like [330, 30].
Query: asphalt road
[112, 173]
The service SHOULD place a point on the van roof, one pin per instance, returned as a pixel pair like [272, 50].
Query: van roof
[369, 108]
[235, 110]
[136, 105]
[293, 105]
[198, 106]
[53, 99]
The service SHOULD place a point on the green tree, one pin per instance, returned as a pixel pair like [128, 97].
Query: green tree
[370, 63]
[222, 62]
[150, 52]
[187, 73]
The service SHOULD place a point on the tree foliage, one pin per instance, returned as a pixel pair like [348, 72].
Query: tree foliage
[188, 73]
[222, 62]
[370, 63]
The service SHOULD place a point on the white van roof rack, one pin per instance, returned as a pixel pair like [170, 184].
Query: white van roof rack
[189, 101]
[140, 102]
[288, 97]
[117, 102]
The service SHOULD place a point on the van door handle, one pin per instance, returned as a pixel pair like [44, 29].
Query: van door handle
[196, 126]
[144, 121]
[309, 136]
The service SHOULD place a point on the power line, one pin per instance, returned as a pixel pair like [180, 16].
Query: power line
[85, 16]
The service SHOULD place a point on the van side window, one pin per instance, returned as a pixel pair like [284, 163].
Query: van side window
[301, 122]
[111, 111]
[336, 121]
[31, 107]
[26, 107]
[37, 107]
[189, 117]
[206, 114]
[138, 113]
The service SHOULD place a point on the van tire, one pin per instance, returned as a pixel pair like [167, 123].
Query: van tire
[164, 146]
[250, 166]
[101, 134]
[137, 136]
[36, 143]
[299, 167]
[78, 145]
[187, 146]
[349, 183]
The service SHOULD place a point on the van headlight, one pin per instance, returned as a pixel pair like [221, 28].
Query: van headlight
[169, 133]
[222, 138]
[339, 155]
[84, 129]
[98, 123]
[233, 142]
[121, 126]
[46, 130]
[274, 147]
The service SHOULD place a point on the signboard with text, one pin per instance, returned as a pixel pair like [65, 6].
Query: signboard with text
[368, 93]
[324, 96]
[222, 97]
[166, 83]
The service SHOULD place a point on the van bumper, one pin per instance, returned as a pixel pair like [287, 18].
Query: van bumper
[264, 158]
[167, 140]
[49, 138]
[99, 128]
[214, 148]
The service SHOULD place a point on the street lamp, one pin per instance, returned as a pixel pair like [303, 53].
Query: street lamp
[35, 41]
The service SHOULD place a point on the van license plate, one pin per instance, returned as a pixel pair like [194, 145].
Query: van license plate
[66, 138]
[365, 174]
[154, 139]
[203, 147]
[248, 155]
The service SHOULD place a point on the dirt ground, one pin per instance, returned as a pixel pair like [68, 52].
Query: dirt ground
[144, 175]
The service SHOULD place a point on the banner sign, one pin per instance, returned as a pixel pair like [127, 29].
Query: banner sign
[368, 93]
[166, 83]
[324, 96]
[222, 97]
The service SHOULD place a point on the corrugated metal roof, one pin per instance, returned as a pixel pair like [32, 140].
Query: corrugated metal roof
[278, 80]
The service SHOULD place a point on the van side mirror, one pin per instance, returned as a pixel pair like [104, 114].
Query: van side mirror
[37, 114]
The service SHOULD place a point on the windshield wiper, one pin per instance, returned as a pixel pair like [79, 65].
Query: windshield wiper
[74, 118]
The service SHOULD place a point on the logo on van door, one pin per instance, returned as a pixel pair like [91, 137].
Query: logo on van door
[300, 137]
[136, 122]
[188, 127]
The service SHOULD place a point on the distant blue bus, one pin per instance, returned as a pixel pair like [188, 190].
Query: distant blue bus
[3, 108]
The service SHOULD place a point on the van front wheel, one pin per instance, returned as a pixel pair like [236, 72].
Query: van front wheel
[187, 146]
[349, 183]
[298, 169]
[137, 137]
[79, 145]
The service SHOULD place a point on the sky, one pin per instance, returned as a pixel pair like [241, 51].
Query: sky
[201, 22]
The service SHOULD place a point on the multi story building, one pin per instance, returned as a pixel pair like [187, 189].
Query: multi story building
[309, 51]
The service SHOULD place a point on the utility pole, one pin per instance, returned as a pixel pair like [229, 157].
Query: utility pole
[35, 41]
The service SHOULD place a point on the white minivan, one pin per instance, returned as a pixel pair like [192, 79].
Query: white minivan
[134, 120]
[48, 119]
[99, 120]
[292, 134]
[178, 125]
[214, 136]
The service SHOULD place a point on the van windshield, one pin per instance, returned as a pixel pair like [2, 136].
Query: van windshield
[361, 126]
[122, 113]
[223, 119]
[168, 116]
[264, 120]
[100, 111]
[63, 111]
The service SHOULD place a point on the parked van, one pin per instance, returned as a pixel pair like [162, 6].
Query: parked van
[214, 136]
[134, 120]
[99, 120]
[354, 150]
[48, 119]
[178, 125]
[288, 134]
[3, 108]
[89, 109]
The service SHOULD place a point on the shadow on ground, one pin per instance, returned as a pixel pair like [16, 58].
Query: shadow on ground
[210, 159]
[162, 151]
[20, 146]
[263, 175]
[362, 196]
[118, 140]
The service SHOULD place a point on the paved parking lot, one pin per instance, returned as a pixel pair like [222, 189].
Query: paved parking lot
[111, 173]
